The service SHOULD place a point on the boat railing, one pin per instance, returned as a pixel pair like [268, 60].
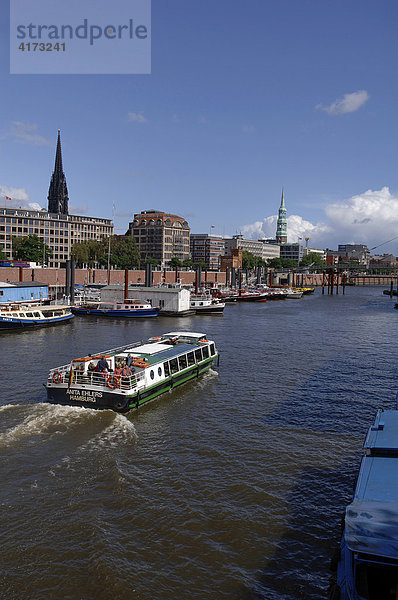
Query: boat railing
[107, 380]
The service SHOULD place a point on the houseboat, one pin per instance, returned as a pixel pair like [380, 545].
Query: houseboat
[366, 561]
[132, 375]
[128, 309]
[18, 316]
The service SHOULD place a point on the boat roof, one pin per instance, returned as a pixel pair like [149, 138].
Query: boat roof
[158, 349]
[157, 352]
[188, 334]
[382, 437]
[372, 517]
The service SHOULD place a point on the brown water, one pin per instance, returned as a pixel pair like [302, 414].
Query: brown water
[230, 487]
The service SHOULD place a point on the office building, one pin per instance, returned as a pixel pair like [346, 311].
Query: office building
[160, 235]
[208, 249]
[55, 227]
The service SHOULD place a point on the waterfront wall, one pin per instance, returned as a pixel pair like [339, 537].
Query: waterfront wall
[56, 277]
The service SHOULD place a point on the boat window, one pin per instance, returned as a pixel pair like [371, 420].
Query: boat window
[173, 366]
[152, 374]
[29, 314]
[183, 361]
[160, 371]
[37, 315]
[49, 313]
[205, 351]
[212, 349]
[198, 355]
[191, 359]
[166, 369]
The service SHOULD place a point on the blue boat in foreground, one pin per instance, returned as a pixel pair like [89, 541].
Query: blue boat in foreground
[17, 316]
[366, 563]
[127, 309]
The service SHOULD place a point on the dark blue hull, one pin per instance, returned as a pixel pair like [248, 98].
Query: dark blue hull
[11, 323]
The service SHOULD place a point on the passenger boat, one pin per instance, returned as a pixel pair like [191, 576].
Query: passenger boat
[127, 309]
[204, 305]
[366, 561]
[149, 368]
[18, 316]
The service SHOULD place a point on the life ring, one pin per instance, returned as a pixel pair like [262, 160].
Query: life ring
[57, 377]
[113, 382]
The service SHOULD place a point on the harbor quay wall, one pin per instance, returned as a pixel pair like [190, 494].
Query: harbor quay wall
[56, 277]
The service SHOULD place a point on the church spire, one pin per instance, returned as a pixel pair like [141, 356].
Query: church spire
[58, 156]
[281, 227]
[58, 191]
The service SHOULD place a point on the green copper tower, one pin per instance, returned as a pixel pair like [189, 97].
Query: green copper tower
[281, 226]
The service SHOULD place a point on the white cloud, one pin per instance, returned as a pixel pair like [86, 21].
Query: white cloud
[349, 103]
[25, 133]
[297, 227]
[137, 117]
[19, 198]
[369, 218]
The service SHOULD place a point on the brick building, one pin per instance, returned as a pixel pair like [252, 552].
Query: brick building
[160, 236]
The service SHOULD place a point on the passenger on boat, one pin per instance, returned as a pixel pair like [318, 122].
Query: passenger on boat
[91, 366]
[118, 368]
[102, 365]
[129, 360]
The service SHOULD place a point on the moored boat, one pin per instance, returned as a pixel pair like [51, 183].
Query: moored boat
[293, 294]
[204, 305]
[18, 316]
[130, 376]
[127, 309]
[252, 297]
[366, 561]
[304, 290]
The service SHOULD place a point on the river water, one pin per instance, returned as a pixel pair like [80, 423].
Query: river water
[230, 487]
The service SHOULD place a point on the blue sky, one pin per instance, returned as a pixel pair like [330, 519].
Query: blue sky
[244, 97]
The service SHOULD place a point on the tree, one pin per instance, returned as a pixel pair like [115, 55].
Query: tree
[259, 261]
[288, 263]
[188, 263]
[3, 255]
[312, 259]
[248, 260]
[201, 264]
[30, 248]
[175, 262]
[275, 263]
[122, 252]
[151, 261]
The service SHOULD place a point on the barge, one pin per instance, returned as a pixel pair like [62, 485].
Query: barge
[366, 561]
[128, 377]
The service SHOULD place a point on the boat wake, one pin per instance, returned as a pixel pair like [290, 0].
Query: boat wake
[31, 424]
[119, 432]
